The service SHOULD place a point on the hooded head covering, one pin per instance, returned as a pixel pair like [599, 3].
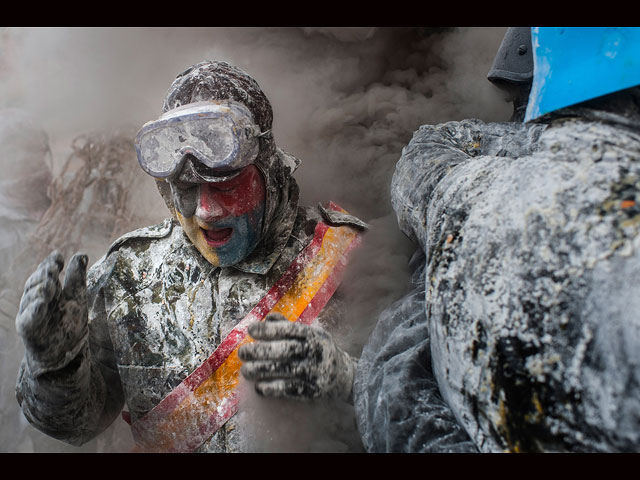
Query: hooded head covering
[219, 81]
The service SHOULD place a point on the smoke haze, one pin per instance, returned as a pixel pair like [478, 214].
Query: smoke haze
[345, 101]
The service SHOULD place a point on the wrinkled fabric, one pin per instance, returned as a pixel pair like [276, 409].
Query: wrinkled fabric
[397, 400]
[530, 233]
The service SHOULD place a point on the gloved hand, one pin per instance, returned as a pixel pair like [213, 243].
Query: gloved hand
[52, 319]
[293, 360]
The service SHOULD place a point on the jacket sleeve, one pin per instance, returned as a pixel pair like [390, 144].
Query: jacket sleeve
[399, 406]
[77, 401]
[397, 400]
[435, 150]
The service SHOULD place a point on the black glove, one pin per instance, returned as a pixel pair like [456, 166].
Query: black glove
[293, 360]
[52, 319]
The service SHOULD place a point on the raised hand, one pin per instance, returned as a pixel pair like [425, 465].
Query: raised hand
[52, 318]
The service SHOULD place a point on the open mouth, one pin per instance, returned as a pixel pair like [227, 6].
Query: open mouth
[217, 237]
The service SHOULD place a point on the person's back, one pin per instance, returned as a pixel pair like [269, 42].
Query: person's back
[530, 238]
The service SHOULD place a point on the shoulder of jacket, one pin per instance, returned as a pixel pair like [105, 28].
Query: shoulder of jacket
[474, 138]
[472, 127]
[159, 230]
[336, 216]
[452, 127]
[102, 271]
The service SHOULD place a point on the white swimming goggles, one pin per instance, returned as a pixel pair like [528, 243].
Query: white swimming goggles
[221, 136]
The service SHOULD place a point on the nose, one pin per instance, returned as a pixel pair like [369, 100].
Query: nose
[209, 208]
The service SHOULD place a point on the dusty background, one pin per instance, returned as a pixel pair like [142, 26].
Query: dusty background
[345, 99]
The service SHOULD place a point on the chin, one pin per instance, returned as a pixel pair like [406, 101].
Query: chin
[233, 251]
[221, 251]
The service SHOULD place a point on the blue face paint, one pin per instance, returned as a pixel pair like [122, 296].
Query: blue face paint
[226, 224]
[243, 238]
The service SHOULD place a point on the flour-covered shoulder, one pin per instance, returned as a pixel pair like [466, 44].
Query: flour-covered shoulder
[132, 248]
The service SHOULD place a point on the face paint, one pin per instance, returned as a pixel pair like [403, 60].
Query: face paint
[185, 198]
[226, 224]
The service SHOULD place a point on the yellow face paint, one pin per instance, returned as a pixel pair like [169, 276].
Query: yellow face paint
[192, 229]
[226, 224]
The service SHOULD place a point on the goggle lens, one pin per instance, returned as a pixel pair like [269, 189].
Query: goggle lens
[217, 140]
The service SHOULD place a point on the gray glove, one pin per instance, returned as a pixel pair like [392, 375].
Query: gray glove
[293, 360]
[52, 319]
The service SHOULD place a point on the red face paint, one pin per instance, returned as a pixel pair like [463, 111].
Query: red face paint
[233, 198]
[227, 223]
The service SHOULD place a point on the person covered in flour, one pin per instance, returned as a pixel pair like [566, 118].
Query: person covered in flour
[522, 332]
[168, 317]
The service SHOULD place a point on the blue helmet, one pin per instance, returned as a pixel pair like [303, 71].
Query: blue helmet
[576, 64]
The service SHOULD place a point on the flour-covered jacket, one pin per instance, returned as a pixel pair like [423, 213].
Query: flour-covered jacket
[157, 310]
[523, 329]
